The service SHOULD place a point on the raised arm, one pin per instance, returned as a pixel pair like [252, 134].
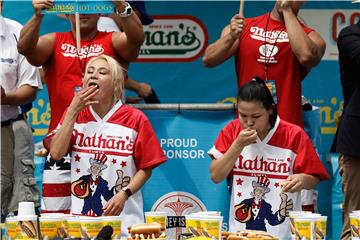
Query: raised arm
[226, 45]
[36, 49]
[127, 43]
[221, 167]
[60, 142]
[308, 48]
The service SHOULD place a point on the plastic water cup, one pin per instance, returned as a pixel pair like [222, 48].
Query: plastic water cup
[354, 225]
[304, 226]
[73, 226]
[11, 227]
[319, 231]
[158, 217]
[193, 225]
[26, 209]
[51, 226]
[292, 216]
[90, 226]
[211, 226]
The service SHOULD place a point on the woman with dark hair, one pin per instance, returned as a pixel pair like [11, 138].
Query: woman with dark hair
[265, 157]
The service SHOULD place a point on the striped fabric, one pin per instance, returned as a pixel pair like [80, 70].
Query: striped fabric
[56, 186]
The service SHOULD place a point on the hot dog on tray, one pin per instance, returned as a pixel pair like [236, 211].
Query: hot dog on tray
[146, 231]
[247, 235]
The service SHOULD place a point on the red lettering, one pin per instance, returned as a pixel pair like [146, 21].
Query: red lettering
[337, 16]
[263, 165]
[103, 142]
[354, 17]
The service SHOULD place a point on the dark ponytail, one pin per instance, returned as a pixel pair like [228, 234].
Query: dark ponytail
[257, 91]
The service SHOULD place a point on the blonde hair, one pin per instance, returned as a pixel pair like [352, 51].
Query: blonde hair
[117, 73]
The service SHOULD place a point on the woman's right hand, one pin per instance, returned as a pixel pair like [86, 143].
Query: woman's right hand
[246, 137]
[42, 4]
[82, 99]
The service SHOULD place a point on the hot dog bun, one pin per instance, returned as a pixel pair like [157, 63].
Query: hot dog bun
[146, 231]
[236, 237]
[247, 235]
[148, 228]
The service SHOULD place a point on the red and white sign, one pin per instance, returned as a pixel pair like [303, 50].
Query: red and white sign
[328, 23]
[173, 38]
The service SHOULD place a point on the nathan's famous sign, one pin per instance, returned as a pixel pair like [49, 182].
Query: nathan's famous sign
[80, 6]
[173, 38]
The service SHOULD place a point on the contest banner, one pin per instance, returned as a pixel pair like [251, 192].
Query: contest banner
[183, 185]
[80, 6]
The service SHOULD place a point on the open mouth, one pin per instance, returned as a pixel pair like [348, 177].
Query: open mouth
[93, 84]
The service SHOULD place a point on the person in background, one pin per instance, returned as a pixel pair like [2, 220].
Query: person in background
[19, 85]
[106, 176]
[275, 46]
[267, 158]
[111, 24]
[348, 140]
[64, 66]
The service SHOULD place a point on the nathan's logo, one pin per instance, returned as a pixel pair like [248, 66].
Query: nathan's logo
[174, 38]
[268, 36]
[68, 50]
[104, 142]
[262, 165]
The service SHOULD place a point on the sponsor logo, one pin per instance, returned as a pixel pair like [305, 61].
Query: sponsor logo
[260, 34]
[267, 52]
[104, 142]
[92, 7]
[68, 50]
[173, 38]
[177, 205]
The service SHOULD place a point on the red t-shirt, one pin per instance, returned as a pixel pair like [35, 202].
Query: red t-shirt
[283, 66]
[65, 67]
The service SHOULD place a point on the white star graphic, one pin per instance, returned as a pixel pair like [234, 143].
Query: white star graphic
[54, 167]
[67, 160]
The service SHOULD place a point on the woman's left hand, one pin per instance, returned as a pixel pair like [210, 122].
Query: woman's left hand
[294, 183]
[115, 205]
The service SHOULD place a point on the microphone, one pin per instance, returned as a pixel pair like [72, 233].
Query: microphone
[105, 233]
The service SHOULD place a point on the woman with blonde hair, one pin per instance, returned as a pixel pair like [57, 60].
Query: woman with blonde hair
[113, 146]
